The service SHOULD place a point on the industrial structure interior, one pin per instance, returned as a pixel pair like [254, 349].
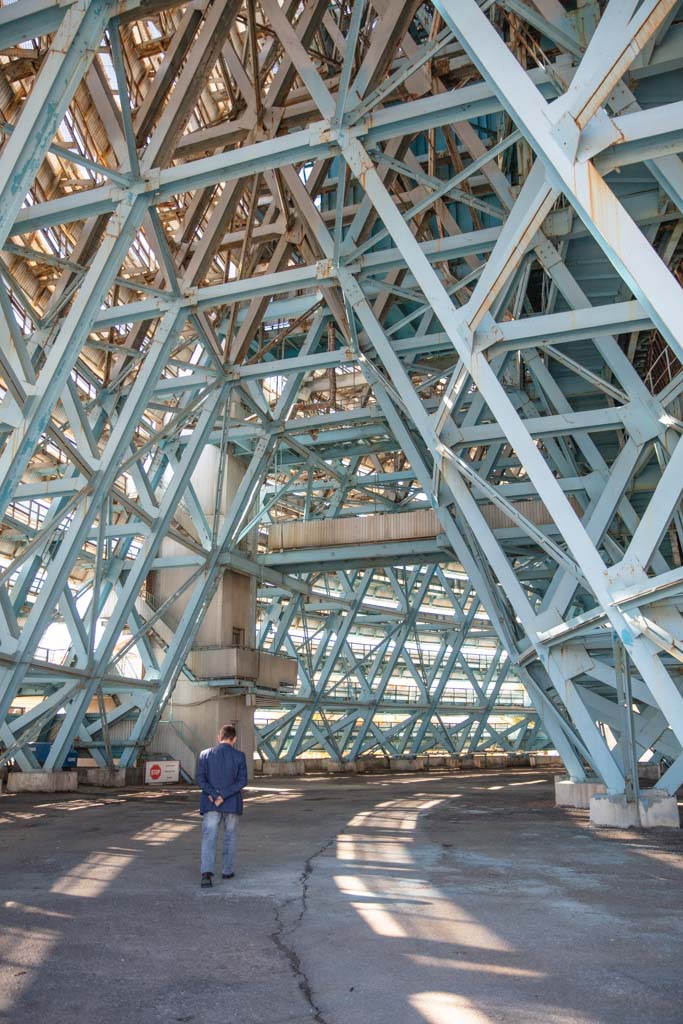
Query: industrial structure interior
[341, 399]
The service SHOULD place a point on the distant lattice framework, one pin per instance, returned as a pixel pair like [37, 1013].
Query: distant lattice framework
[390, 257]
[401, 660]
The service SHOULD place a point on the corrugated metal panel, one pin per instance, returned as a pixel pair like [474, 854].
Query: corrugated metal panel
[121, 730]
[380, 528]
[167, 741]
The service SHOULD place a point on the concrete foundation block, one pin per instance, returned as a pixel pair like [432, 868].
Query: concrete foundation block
[443, 762]
[407, 764]
[657, 810]
[341, 767]
[324, 766]
[282, 769]
[519, 759]
[496, 760]
[576, 794]
[42, 782]
[545, 761]
[372, 764]
[105, 777]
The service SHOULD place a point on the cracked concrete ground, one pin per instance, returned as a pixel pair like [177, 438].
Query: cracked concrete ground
[465, 898]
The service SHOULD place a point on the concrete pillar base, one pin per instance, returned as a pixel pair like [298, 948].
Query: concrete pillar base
[371, 764]
[407, 764]
[576, 794]
[444, 761]
[342, 767]
[42, 782]
[657, 810]
[282, 769]
[517, 760]
[105, 777]
[315, 765]
[497, 761]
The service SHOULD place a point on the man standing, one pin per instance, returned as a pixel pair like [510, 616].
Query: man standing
[221, 776]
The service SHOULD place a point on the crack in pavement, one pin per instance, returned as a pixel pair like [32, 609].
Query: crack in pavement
[282, 936]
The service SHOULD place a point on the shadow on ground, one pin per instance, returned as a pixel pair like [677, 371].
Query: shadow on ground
[463, 897]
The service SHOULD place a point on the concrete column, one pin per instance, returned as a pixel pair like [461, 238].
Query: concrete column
[204, 709]
[230, 618]
[229, 623]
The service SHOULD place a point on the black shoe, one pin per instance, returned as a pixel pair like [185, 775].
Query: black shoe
[207, 880]
[231, 875]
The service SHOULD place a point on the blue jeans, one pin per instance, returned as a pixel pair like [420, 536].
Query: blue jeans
[211, 822]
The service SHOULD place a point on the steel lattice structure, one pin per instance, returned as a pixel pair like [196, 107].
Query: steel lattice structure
[394, 258]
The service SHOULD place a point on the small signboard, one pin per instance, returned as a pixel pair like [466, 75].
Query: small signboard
[159, 772]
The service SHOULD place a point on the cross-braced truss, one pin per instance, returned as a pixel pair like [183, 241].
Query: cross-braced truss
[398, 659]
[396, 259]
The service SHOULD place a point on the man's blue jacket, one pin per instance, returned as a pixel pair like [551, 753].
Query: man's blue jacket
[221, 771]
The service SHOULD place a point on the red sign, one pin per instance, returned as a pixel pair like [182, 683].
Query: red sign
[160, 772]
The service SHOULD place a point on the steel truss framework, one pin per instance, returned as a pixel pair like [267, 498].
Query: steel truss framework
[391, 256]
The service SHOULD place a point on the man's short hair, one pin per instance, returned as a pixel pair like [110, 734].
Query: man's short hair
[228, 732]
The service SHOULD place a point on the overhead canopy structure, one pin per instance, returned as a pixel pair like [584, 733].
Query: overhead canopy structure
[414, 268]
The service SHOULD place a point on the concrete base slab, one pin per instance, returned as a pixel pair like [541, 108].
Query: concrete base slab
[576, 794]
[655, 810]
[42, 782]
